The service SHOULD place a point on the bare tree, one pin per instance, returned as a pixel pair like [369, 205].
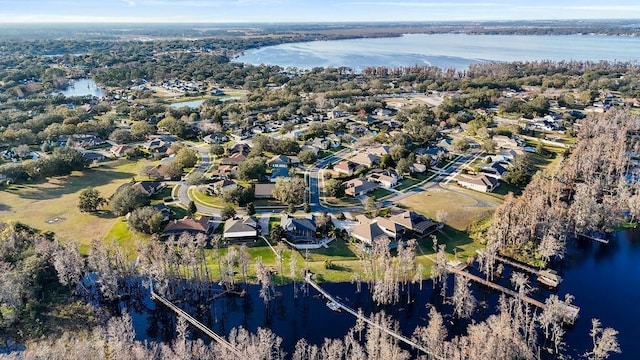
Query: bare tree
[464, 303]
[605, 341]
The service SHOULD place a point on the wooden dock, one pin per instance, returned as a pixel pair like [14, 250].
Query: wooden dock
[518, 265]
[495, 286]
[351, 311]
[219, 339]
[571, 311]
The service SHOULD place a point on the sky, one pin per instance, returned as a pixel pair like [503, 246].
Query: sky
[221, 11]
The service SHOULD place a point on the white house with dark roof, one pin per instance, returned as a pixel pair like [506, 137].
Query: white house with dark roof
[239, 229]
[482, 183]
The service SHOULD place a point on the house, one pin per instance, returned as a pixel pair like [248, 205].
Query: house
[264, 191]
[238, 229]
[365, 159]
[221, 186]
[321, 143]
[378, 229]
[119, 150]
[149, 188]
[386, 178]
[234, 159]
[445, 145]
[380, 151]
[346, 167]
[278, 161]
[240, 148]
[278, 172]
[91, 156]
[505, 142]
[481, 183]
[334, 114]
[496, 170]
[368, 233]
[418, 168]
[506, 155]
[359, 187]
[215, 139]
[224, 171]
[191, 226]
[417, 223]
[311, 148]
[299, 230]
[164, 210]
[383, 112]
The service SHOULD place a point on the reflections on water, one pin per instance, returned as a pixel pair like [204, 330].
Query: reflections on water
[456, 51]
[82, 87]
[602, 277]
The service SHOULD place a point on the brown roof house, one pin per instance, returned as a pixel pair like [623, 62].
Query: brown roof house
[482, 183]
[346, 167]
[378, 229]
[202, 225]
[264, 191]
[149, 188]
[359, 187]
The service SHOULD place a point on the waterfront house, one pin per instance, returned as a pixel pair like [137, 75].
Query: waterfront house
[419, 224]
[241, 229]
[299, 230]
[202, 225]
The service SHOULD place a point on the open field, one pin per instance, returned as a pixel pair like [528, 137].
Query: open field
[463, 206]
[52, 205]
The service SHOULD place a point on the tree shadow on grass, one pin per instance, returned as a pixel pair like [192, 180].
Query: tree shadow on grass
[5, 207]
[105, 214]
[59, 186]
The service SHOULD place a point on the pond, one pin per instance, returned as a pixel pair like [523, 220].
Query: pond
[82, 87]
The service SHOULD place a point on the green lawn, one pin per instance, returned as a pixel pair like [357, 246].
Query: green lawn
[463, 206]
[52, 205]
[207, 200]
[409, 181]
[380, 193]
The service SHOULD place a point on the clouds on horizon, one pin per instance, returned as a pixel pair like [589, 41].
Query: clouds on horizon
[307, 10]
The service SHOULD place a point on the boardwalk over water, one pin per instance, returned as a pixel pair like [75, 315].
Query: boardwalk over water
[219, 339]
[366, 319]
[570, 311]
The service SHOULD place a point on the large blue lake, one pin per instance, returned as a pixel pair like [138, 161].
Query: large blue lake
[445, 50]
[604, 279]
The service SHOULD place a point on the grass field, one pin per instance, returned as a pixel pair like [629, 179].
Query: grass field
[463, 206]
[52, 205]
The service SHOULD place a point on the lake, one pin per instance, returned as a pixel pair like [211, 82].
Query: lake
[444, 50]
[82, 87]
[603, 278]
